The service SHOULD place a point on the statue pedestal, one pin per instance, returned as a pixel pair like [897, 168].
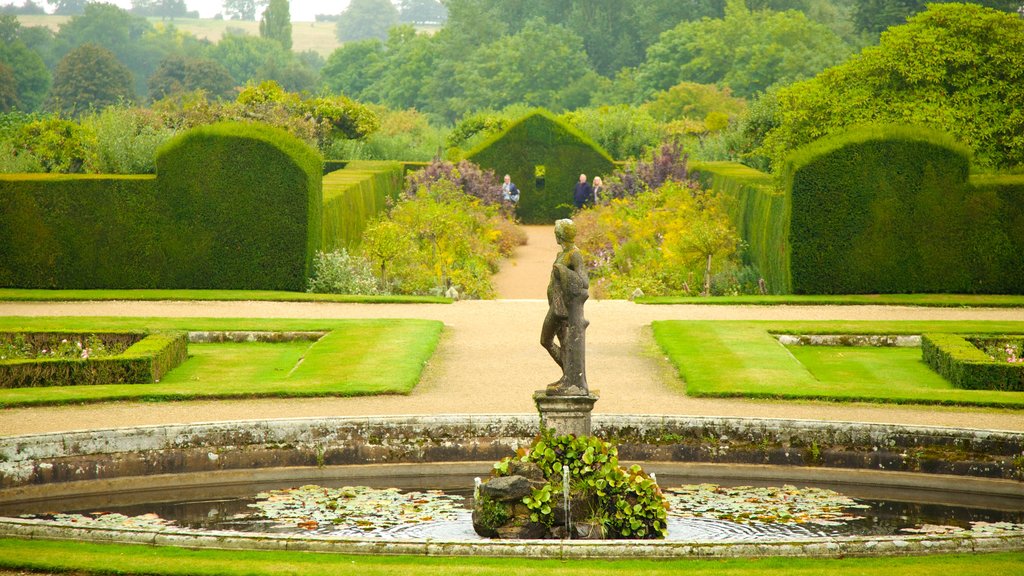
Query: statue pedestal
[566, 414]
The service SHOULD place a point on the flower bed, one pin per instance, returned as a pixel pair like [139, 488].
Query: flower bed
[30, 359]
[976, 362]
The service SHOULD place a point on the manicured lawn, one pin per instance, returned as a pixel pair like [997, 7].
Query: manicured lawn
[121, 559]
[938, 300]
[744, 359]
[18, 294]
[355, 357]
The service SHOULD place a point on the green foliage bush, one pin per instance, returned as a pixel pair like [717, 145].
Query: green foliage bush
[966, 366]
[126, 139]
[757, 208]
[55, 145]
[234, 206]
[145, 361]
[540, 139]
[891, 210]
[353, 197]
[437, 238]
[626, 501]
[954, 67]
[339, 272]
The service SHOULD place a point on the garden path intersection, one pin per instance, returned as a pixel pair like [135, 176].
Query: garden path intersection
[490, 361]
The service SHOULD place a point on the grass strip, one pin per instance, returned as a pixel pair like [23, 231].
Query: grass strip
[31, 295]
[355, 358]
[931, 300]
[743, 359]
[89, 558]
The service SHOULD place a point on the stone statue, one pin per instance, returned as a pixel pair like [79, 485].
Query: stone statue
[567, 292]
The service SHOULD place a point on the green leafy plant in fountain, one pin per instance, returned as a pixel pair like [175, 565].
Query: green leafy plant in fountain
[627, 502]
[492, 514]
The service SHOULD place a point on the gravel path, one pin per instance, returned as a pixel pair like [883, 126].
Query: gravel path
[490, 362]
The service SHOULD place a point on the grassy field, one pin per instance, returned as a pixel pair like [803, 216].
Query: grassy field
[744, 359]
[82, 558]
[33, 295]
[317, 36]
[939, 300]
[356, 357]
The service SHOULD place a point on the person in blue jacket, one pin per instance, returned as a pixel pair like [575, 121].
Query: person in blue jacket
[583, 194]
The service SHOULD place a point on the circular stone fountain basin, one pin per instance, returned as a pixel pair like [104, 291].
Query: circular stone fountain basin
[101, 469]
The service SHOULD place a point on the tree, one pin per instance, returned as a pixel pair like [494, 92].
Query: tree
[277, 23]
[746, 51]
[31, 79]
[954, 67]
[874, 16]
[353, 68]
[160, 8]
[90, 76]
[180, 74]
[422, 12]
[245, 56]
[367, 19]
[542, 65]
[8, 95]
[29, 7]
[243, 9]
[694, 101]
[67, 7]
[126, 35]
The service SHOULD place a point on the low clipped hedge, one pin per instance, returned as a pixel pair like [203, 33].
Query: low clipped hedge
[757, 208]
[966, 366]
[891, 210]
[540, 139]
[145, 361]
[355, 195]
[233, 206]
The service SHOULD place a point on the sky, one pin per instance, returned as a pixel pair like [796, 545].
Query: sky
[301, 10]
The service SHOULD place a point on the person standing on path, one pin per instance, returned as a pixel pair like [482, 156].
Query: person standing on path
[583, 194]
[509, 191]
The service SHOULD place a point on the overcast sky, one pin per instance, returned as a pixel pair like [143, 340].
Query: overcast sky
[301, 10]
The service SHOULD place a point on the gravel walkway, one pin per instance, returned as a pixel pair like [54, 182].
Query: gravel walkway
[490, 361]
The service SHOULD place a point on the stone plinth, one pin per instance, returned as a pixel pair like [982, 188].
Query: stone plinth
[566, 414]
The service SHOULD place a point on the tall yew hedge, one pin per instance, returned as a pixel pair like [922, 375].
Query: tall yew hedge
[757, 208]
[892, 210]
[540, 139]
[355, 195]
[234, 206]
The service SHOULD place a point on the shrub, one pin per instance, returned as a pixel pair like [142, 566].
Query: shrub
[657, 241]
[339, 272]
[126, 139]
[145, 361]
[668, 162]
[437, 238]
[966, 366]
[235, 206]
[757, 209]
[353, 197]
[624, 131]
[626, 501]
[467, 176]
[891, 210]
[58, 145]
[541, 140]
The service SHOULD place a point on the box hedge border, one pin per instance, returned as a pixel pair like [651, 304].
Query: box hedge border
[967, 367]
[146, 361]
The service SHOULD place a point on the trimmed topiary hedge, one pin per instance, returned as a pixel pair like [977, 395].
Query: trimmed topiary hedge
[757, 208]
[968, 367]
[233, 206]
[540, 139]
[355, 195]
[891, 210]
[145, 361]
